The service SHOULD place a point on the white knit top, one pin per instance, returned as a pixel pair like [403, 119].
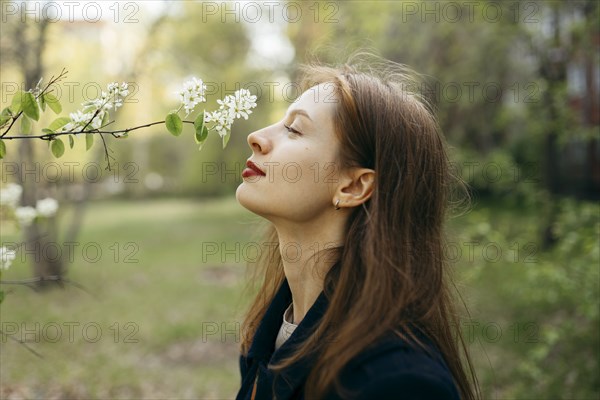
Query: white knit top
[287, 328]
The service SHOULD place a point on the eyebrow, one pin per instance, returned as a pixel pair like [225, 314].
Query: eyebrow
[301, 112]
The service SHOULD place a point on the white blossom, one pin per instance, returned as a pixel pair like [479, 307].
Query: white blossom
[10, 195]
[7, 256]
[96, 109]
[234, 106]
[124, 89]
[47, 207]
[80, 119]
[192, 94]
[25, 215]
[223, 120]
[240, 103]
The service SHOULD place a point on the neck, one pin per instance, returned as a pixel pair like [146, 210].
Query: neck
[305, 271]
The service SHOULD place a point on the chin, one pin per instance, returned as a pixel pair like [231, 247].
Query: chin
[239, 196]
[256, 204]
[245, 199]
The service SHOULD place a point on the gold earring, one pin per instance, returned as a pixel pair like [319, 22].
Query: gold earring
[337, 207]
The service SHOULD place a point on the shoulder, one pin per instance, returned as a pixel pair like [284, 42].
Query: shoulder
[393, 369]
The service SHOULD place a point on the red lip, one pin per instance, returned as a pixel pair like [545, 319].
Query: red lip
[252, 170]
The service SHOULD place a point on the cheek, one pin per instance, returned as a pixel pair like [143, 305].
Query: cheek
[302, 175]
[311, 180]
[305, 170]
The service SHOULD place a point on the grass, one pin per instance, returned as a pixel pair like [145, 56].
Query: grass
[146, 325]
[161, 312]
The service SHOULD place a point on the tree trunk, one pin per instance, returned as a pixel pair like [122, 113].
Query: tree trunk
[39, 247]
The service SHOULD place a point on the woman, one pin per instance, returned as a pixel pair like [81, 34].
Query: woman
[354, 183]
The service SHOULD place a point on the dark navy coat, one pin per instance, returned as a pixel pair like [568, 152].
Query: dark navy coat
[390, 370]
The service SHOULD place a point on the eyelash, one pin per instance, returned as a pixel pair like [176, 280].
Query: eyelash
[292, 130]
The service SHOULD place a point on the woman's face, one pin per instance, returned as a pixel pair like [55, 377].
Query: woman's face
[298, 157]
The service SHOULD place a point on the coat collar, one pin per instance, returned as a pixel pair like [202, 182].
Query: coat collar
[262, 350]
[264, 339]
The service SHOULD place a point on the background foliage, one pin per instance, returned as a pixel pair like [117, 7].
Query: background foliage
[526, 253]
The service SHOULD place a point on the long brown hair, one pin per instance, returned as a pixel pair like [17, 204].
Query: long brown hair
[392, 274]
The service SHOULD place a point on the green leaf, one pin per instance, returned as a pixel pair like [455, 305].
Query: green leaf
[25, 125]
[5, 116]
[199, 122]
[226, 138]
[15, 104]
[1, 296]
[201, 135]
[174, 124]
[57, 147]
[52, 102]
[42, 103]
[59, 123]
[30, 106]
[71, 141]
[6, 113]
[201, 130]
[89, 141]
[2, 149]
[48, 131]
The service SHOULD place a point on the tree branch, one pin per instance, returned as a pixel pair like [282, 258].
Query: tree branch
[52, 81]
[51, 136]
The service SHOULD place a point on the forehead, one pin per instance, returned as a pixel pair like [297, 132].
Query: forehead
[319, 99]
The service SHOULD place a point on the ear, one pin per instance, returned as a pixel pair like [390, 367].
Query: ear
[356, 187]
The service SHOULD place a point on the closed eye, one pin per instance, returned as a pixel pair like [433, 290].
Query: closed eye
[292, 130]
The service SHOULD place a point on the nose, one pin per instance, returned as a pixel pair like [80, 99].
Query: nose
[258, 142]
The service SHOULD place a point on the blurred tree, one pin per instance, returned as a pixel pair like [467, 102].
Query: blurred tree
[576, 36]
[23, 43]
[565, 122]
[22, 46]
